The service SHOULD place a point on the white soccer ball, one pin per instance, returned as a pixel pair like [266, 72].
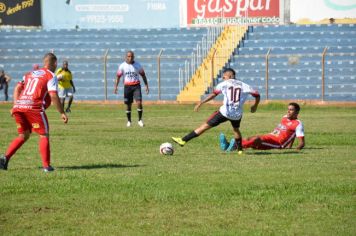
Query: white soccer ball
[166, 149]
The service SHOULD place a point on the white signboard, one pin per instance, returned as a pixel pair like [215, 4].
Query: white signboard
[317, 10]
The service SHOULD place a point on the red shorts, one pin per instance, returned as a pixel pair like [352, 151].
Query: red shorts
[31, 121]
[269, 141]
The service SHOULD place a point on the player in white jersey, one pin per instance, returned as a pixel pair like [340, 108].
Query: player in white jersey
[131, 70]
[235, 94]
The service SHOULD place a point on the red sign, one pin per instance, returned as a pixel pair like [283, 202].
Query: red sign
[210, 12]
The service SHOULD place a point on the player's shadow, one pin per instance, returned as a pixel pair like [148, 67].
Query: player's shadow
[98, 166]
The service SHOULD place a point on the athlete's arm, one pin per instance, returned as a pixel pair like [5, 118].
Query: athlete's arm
[58, 105]
[71, 83]
[146, 83]
[116, 84]
[290, 144]
[17, 91]
[301, 143]
[257, 97]
[207, 99]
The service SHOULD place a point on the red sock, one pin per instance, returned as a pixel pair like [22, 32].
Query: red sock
[45, 151]
[248, 143]
[14, 146]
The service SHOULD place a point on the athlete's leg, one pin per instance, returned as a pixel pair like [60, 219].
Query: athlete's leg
[195, 133]
[251, 142]
[62, 100]
[44, 148]
[6, 88]
[69, 103]
[16, 144]
[138, 98]
[128, 111]
[215, 119]
[24, 131]
[261, 142]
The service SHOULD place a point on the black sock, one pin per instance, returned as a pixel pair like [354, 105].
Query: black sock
[139, 111]
[190, 136]
[128, 114]
[239, 144]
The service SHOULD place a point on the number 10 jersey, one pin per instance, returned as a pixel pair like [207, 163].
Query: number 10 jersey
[235, 94]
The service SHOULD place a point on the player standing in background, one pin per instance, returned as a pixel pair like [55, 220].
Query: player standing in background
[66, 86]
[4, 84]
[131, 70]
[235, 94]
[281, 137]
[29, 110]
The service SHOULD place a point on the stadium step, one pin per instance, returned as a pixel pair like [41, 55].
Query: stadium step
[217, 57]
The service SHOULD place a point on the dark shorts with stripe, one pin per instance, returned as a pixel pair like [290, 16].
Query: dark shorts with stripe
[132, 92]
[217, 118]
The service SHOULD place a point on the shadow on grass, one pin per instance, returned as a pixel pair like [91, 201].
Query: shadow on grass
[97, 166]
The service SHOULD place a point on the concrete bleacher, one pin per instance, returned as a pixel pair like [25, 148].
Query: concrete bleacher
[85, 49]
[295, 61]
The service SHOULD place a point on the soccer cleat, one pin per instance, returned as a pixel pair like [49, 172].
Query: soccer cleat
[128, 124]
[179, 141]
[240, 152]
[223, 142]
[140, 123]
[232, 145]
[48, 169]
[3, 163]
[68, 110]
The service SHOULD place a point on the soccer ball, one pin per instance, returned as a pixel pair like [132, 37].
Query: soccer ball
[166, 149]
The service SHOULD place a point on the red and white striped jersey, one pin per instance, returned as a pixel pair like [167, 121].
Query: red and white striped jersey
[287, 130]
[35, 92]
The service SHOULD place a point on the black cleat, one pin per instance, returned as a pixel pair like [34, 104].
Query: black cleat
[3, 163]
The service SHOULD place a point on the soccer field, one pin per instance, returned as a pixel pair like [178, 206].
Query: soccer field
[112, 180]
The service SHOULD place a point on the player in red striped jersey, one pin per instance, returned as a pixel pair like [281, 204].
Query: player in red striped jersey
[31, 98]
[281, 137]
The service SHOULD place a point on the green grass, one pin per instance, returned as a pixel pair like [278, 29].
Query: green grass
[111, 180]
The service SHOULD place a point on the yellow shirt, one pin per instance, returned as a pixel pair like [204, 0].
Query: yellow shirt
[64, 83]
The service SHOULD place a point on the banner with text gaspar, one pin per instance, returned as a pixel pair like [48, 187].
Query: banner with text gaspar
[216, 12]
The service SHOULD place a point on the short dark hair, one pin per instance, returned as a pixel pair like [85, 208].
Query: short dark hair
[50, 56]
[230, 70]
[295, 105]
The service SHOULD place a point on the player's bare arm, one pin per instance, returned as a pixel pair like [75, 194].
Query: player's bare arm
[146, 83]
[59, 107]
[116, 84]
[257, 101]
[207, 99]
[301, 143]
[71, 83]
[17, 91]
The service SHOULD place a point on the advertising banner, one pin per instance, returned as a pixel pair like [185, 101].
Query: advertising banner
[110, 14]
[20, 12]
[306, 9]
[215, 12]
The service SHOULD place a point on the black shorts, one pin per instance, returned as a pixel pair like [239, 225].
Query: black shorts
[217, 118]
[132, 92]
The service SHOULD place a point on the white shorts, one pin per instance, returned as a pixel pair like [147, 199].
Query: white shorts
[62, 93]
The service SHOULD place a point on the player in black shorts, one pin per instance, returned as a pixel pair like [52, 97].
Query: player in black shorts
[131, 70]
